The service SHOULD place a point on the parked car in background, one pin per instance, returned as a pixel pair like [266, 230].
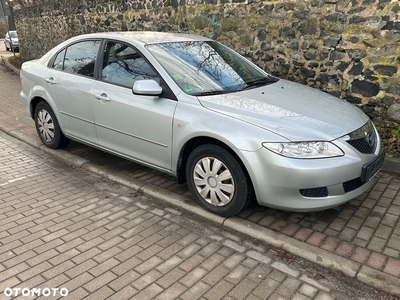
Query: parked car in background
[11, 41]
[191, 107]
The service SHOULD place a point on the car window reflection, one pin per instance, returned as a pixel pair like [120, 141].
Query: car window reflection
[123, 65]
[205, 68]
[59, 61]
[79, 58]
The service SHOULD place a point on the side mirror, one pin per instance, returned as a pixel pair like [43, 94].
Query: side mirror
[148, 87]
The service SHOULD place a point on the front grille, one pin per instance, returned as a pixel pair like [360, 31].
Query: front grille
[351, 185]
[364, 139]
[315, 192]
[363, 146]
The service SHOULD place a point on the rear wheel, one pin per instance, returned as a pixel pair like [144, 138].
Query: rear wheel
[217, 180]
[48, 128]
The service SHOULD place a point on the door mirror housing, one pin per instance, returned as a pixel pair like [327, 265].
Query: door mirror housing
[148, 87]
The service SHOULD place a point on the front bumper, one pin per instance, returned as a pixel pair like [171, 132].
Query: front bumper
[311, 184]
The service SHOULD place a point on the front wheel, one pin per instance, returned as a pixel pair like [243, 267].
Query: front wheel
[48, 128]
[217, 180]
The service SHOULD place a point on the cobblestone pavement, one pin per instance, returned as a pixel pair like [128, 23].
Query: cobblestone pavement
[73, 235]
[366, 230]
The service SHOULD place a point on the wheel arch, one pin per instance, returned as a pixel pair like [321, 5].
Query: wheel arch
[191, 144]
[36, 94]
[51, 136]
[34, 102]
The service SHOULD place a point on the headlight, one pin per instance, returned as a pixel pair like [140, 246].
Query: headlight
[304, 150]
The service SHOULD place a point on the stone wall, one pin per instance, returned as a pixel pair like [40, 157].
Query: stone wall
[349, 48]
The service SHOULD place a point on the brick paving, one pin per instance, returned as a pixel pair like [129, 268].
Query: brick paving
[65, 229]
[365, 230]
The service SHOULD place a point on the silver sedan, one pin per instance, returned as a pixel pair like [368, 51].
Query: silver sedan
[11, 41]
[191, 107]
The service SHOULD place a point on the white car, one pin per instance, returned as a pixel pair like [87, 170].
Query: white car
[191, 107]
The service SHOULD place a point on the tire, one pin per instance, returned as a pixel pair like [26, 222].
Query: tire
[48, 128]
[205, 166]
[6, 46]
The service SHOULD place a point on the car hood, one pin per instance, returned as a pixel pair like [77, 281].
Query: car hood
[293, 111]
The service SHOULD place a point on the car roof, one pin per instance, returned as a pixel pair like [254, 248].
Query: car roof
[142, 38]
[147, 37]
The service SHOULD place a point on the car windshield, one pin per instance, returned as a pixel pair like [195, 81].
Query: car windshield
[208, 67]
[13, 34]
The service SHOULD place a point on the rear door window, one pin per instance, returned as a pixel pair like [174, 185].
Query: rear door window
[79, 58]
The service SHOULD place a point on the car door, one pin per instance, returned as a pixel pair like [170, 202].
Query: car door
[69, 82]
[136, 126]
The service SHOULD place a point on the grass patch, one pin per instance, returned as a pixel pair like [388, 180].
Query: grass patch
[16, 60]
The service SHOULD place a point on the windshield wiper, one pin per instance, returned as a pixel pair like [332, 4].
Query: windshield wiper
[210, 93]
[260, 82]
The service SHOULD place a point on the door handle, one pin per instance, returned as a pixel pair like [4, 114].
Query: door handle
[50, 80]
[102, 97]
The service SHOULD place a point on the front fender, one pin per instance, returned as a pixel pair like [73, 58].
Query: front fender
[193, 121]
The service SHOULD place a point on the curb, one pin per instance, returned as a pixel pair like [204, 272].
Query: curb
[369, 276]
[10, 66]
[391, 165]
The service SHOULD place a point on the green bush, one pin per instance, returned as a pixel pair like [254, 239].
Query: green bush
[16, 60]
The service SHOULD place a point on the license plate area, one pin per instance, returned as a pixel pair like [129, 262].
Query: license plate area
[369, 170]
